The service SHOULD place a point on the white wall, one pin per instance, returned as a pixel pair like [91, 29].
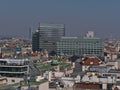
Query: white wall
[44, 86]
[14, 80]
[87, 78]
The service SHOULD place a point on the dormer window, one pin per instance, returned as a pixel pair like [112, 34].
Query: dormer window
[91, 62]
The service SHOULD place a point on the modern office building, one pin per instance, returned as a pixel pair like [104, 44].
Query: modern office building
[35, 40]
[80, 46]
[49, 35]
[13, 67]
[16, 70]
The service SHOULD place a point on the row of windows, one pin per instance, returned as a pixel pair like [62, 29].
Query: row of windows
[80, 52]
[82, 44]
[12, 75]
[13, 69]
[78, 42]
[91, 51]
[72, 53]
[81, 49]
[78, 45]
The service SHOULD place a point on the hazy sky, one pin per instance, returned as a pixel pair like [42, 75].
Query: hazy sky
[79, 16]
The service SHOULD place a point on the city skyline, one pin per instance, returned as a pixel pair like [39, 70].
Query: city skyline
[79, 16]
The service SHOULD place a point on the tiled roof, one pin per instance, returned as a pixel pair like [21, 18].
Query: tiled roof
[91, 61]
[82, 86]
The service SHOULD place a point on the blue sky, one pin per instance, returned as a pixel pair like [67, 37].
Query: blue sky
[79, 16]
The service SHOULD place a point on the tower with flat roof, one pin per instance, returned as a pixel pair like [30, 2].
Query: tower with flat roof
[35, 41]
[49, 35]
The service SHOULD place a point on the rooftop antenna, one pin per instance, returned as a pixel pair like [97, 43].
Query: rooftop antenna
[30, 33]
[39, 26]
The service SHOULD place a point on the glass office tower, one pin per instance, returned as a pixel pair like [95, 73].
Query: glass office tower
[49, 35]
[80, 46]
[35, 41]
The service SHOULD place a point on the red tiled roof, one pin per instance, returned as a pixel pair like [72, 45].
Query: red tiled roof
[109, 49]
[91, 61]
[88, 86]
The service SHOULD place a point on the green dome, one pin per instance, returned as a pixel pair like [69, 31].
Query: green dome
[54, 62]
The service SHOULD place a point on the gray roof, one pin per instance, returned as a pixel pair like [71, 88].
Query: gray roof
[114, 71]
[101, 69]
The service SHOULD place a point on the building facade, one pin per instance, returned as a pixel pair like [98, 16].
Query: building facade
[49, 35]
[16, 70]
[35, 41]
[13, 67]
[80, 46]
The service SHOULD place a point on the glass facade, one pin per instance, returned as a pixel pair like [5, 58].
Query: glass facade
[49, 35]
[80, 46]
[14, 68]
[18, 68]
[35, 41]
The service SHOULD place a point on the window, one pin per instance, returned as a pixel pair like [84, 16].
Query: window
[91, 62]
[13, 80]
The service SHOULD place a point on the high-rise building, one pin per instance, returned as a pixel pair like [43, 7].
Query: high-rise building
[35, 41]
[49, 35]
[80, 46]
